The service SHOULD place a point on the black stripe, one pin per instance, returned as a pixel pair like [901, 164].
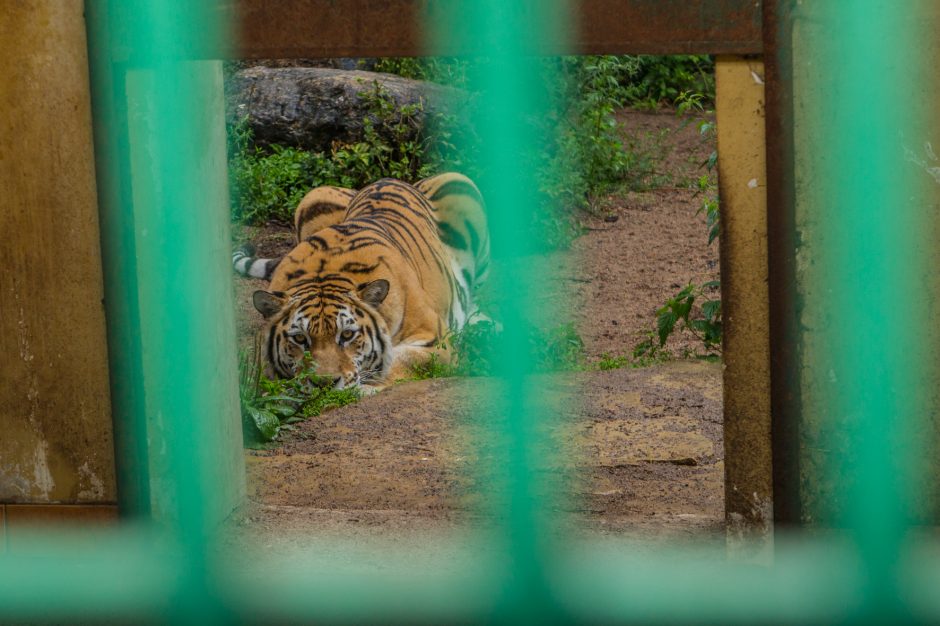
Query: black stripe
[451, 237]
[296, 274]
[318, 243]
[474, 236]
[457, 187]
[318, 209]
[378, 335]
[354, 267]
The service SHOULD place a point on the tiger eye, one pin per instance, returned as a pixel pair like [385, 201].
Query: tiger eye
[346, 335]
[299, 339]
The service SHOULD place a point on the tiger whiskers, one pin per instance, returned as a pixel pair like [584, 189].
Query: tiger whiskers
[369, 375]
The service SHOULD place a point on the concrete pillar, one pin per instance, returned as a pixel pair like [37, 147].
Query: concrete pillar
[219, 421]
[55, 418]
[742, 184]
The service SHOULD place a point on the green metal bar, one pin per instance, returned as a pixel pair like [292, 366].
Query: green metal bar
[135, 575]
[511, 82]
[160, 134]
[867, 223]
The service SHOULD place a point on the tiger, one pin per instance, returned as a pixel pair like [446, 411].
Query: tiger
[376, 281]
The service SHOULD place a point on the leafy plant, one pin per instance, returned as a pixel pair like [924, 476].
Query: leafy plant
[708, 186]
[406, 142]
[661, 79]
[703, 321]
[268, 185]
[268, 406]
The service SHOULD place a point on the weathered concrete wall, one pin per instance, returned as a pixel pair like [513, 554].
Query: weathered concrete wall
[826, 453]
[746, 354]
[55, 418]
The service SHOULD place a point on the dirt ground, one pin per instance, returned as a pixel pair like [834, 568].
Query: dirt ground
[643, 448]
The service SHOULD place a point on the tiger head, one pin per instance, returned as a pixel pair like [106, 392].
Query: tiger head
[332, 328]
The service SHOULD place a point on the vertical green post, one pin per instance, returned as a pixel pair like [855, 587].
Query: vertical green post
[865, 215]
[160, 141]
[511, 82]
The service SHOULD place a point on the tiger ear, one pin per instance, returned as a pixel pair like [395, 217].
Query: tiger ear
[267, 303]
[374, 293]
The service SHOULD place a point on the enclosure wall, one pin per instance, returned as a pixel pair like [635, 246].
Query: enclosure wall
[55, 419]
[854, 210]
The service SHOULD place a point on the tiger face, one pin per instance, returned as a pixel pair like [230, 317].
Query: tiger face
[329, 327]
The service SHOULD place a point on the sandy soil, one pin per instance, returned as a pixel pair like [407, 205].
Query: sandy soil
[642, 448]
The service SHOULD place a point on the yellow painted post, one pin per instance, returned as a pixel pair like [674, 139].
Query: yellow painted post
[746, 354]
[55, 418]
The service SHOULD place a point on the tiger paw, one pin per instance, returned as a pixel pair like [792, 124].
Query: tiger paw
[370, 390]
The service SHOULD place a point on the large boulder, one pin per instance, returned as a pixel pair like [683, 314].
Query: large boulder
[311, 107]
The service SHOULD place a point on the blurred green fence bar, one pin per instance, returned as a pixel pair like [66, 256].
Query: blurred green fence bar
[160, 137]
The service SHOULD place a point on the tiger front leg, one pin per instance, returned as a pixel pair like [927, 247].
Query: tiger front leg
[417, 358]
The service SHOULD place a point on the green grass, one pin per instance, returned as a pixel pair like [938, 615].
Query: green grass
[558, 349]
[270, 406]
[474, 350]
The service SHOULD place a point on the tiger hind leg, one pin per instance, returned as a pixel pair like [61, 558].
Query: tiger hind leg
[320, 208]
[461, 218]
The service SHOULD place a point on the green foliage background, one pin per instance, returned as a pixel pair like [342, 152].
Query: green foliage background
[584, 155]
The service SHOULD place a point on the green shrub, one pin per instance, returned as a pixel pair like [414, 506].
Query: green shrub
[661, 79]
[266, 183]
[584, 155]
[269, 406]
[451, 71]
